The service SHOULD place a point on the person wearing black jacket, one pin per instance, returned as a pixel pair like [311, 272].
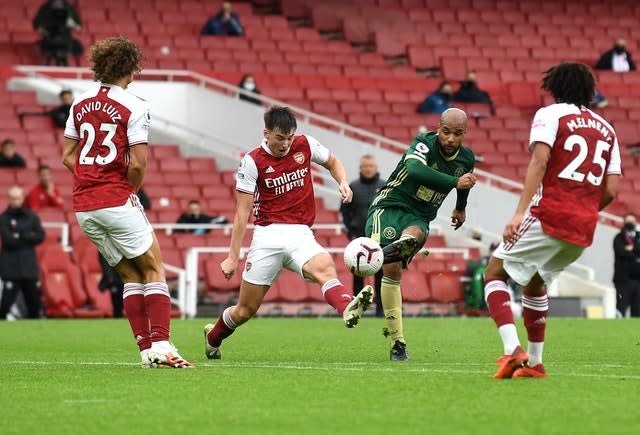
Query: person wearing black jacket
[617, 59]
[194, 215]
[626, 276]
[354, 214]
[21, 231]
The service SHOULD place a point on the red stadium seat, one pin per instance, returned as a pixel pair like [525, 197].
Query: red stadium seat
[446, 287]
[422, 58]
[415, 286]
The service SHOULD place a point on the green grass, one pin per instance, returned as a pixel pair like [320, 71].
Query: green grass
[314, 376]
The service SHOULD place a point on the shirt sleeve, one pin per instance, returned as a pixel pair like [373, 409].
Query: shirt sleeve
[544, 128]
[139, 124]
[70, 129]
[320, 154]
[247, 175]
[615, 164]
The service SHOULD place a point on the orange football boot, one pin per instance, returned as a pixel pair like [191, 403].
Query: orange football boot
[507, 364]
[536, 371]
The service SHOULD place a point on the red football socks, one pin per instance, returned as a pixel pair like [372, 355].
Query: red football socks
[499, 302]
[336, 295]
[134, 306]
[158, 303]
[221, 329]
[534, 312]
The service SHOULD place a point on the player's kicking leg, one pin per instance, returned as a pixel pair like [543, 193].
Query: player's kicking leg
[402, 250]
[322, 270]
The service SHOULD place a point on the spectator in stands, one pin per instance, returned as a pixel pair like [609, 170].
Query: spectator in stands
[58, 114]
[45, 193]
[354, 215]
[470, 93]
[599, 101]
[248, 83]
[626, 275]
[439, 100]
[20, 231]
[617, 59]
[9, 158]
[194, 215]
[112, 282]
[224, 23]
[55, 21]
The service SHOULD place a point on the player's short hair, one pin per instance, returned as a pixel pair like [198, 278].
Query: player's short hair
[65, 92]
[114, 58]
[570, 82]
[42, 167]
[193, 201]
[281, 118]
[7, 141]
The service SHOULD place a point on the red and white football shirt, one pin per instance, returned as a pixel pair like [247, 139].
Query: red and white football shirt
[584, 149]
[106, 120]
[282, 186]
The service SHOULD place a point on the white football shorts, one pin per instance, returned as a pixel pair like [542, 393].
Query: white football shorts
[117, 232]
[279, 246]
[534, 252]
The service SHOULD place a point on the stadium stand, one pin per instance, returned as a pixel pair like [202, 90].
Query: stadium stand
[368, 63]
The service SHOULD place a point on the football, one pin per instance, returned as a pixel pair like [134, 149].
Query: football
[363, 256]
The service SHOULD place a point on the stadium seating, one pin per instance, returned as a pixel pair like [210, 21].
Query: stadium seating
[375, 87]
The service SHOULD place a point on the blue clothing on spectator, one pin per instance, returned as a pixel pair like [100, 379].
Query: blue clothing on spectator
[217, 26]
[437, 102]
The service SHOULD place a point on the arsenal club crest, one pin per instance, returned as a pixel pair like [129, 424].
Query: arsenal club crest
[299, 158]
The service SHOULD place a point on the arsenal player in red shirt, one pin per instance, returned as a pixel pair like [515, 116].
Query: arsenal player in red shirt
[573, 174]
[105, 147]
[274, 182]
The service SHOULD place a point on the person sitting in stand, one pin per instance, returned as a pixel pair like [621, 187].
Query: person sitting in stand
[194, 215]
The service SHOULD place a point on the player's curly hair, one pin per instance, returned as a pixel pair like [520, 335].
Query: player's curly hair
[114, 58]
[570, 82]
[281, 118]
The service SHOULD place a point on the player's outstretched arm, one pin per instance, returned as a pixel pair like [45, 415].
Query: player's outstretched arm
[418, 170]
[69, 153]
[244, 204]
[337, 171]
[137, 165]
[533, 178]
[610, 191]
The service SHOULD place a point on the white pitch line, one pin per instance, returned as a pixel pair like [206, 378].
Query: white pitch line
[82, 401]
[355, 367]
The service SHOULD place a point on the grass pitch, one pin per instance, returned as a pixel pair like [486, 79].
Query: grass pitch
[280, 376]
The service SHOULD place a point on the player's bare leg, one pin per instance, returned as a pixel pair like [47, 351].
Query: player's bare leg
[535, 306]
[133, 302]
[249, 300]
[158, 305]
[322, 270]
[499, 303]
[397, 256]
